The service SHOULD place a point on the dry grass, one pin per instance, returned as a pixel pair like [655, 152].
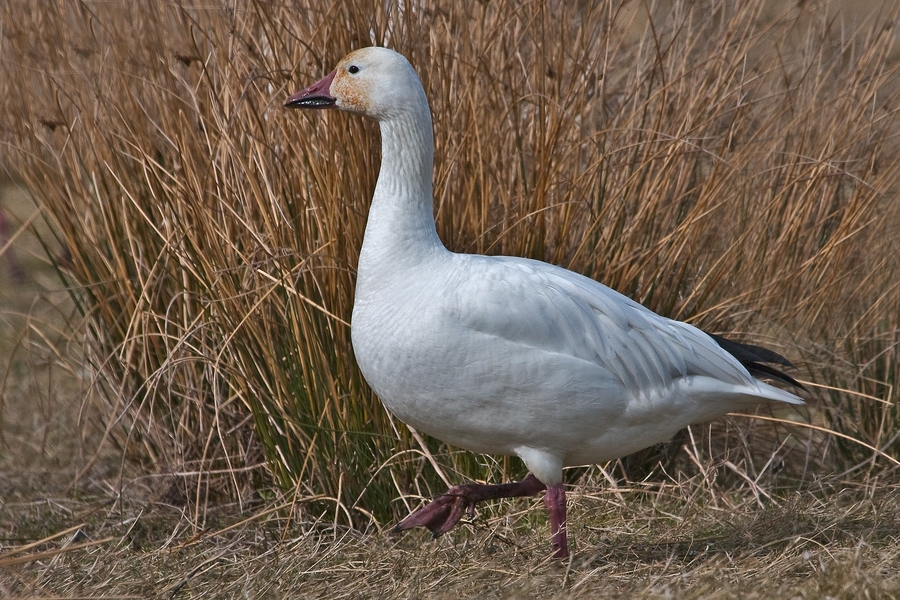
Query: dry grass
[735, 167]
[646, 544]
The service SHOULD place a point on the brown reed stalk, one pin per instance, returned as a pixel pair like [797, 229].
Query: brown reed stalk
[720, 163]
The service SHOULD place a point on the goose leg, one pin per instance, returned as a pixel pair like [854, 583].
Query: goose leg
[441, 514]
[555, 499]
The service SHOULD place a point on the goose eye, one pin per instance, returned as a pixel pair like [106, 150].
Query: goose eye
[353, 69]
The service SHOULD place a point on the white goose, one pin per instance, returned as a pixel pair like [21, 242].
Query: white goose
[506, 355]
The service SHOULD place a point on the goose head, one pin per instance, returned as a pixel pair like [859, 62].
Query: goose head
[373, 82]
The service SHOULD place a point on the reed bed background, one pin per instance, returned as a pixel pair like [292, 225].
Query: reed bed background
[730, 164]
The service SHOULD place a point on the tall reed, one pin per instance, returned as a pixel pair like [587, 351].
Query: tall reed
[718, 162]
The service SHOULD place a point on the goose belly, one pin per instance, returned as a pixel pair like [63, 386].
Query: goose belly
[489, 395]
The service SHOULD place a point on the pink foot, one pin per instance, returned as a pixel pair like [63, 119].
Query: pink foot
[555, 499]
[441, 514]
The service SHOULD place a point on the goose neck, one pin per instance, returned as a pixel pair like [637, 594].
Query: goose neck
[401, 219]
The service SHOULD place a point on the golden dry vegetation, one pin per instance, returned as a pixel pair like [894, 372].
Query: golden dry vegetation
[182, 416]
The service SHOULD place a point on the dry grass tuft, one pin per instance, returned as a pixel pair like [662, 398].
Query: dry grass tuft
[723, 164]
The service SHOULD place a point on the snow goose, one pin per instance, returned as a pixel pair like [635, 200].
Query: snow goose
[506, 355]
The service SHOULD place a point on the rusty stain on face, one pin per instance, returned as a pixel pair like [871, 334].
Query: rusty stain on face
[351, 91]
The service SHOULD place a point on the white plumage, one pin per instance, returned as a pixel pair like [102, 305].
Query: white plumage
[506, 355]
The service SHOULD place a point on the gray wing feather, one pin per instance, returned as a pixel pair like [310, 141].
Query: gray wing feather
[560, 311]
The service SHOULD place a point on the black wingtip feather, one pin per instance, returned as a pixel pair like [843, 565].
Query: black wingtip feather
[760, 370]
[753, 357]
